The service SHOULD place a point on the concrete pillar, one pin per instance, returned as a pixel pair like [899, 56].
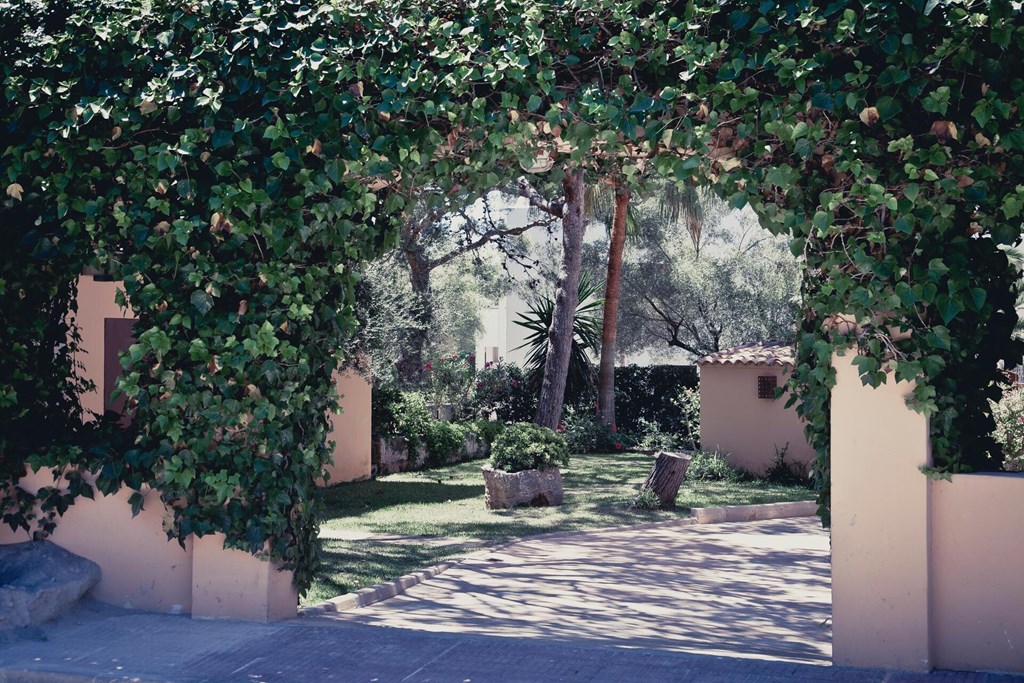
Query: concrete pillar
[351, 429]
[880, 535]
[234, 584]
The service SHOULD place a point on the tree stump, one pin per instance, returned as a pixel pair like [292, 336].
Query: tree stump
[667, 476]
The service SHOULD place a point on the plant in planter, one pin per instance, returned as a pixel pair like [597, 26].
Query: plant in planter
[524, 467]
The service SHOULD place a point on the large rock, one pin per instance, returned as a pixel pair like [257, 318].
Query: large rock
[529, 487]
[39, 581]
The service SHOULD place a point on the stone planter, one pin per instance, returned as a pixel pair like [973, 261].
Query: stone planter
[529, 487]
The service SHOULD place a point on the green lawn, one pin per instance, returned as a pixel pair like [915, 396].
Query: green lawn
[449, 502]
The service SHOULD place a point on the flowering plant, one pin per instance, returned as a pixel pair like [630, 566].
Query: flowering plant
[451, 381]
[1009, 432]
[503, 392]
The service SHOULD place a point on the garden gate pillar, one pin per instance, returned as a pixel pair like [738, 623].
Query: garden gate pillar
[880, 528]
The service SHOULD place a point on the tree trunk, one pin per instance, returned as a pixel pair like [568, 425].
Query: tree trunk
[667, 476]
[556, 366]
[609, 323]
[410, 365]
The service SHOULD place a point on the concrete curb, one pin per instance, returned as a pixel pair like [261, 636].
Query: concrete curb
[368, 596]
[711, 515]
[753, 513]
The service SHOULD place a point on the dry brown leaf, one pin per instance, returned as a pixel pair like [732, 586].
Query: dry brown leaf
[869, 116]
[944, 130]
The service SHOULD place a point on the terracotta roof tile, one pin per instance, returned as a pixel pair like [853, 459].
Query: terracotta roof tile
[753, 353]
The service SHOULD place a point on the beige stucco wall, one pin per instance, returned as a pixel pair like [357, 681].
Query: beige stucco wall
[95, 304]
[746, 428]
[350, 429]
[879, 525]
[924, 573]
[140, 568]
[237, 585]
[977, 556]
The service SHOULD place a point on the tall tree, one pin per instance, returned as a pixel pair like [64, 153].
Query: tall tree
[439, 229]
[552, 391]
[609, 325]
[740, 284]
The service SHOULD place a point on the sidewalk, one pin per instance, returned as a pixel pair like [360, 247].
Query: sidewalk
[102, 644]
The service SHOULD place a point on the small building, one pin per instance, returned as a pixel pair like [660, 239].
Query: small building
[739, 413]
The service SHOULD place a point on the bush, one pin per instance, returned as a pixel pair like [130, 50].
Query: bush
[710, 467]
[649, 437]
[443, 440]
[386, 410]
[486, 430]
[525, 446]
[502, 390]
[687, 403]
[1009, 417]
[646, 499]
[785, 472]
[643, 392]
[584, 433]
[451, 381]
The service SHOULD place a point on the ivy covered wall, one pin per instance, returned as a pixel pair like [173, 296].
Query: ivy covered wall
[235, 162]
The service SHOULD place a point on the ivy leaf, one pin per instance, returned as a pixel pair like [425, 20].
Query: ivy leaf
[949, 307]
[202, 301]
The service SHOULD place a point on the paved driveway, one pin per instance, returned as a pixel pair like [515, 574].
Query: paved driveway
[752, 589]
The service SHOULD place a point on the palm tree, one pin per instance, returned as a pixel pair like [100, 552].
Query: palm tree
[586, 327]
[609, 325]
[678, 202]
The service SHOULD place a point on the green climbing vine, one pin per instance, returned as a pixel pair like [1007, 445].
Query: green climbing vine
[233, 163]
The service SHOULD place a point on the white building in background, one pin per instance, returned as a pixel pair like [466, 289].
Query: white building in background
[501, 336]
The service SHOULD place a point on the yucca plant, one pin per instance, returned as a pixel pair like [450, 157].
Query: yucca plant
[586, 327]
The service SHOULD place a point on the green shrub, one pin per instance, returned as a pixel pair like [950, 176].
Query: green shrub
[386, 410]
[443, 440]
[451, 381]
[486, 430]
[706, 466]
[502, 390]
[650, 437]
[687, 426]
[646, 499]
[645, 392]
[786, 473]
[584, 433]
[525, 446]
[1009, 432]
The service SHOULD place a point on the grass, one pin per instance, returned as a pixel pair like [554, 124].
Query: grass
[449, 502]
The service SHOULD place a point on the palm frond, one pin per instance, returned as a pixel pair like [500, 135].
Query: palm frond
[586, 337]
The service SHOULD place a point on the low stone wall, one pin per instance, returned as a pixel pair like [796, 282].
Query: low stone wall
[141, 569]
[390, 454]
